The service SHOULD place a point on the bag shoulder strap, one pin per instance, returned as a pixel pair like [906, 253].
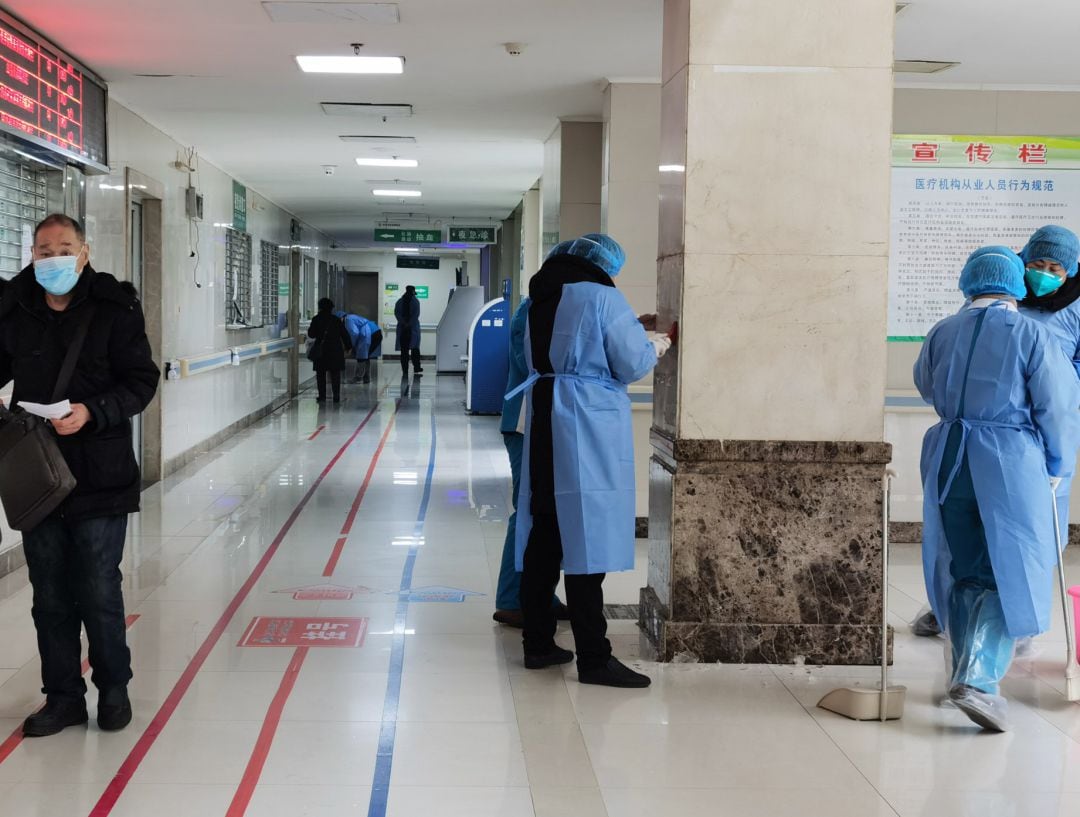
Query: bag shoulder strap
[73, 352]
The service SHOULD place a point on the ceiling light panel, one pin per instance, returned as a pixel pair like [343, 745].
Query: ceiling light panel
[379, 140]
[351, 65]
[398, 194]
[379, 111]
[375, 162]
[292, 12]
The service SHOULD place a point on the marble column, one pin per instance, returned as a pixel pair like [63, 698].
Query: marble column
[766, 476]
[628, 212]
[532, 223]
[570, 187]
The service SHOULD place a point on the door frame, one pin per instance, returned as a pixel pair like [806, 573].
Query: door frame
[150, 193]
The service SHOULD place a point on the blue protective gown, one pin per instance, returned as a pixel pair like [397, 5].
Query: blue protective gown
[598, 348]
[361, 331]
[407, 313]
[1020, 424]
[1064, 325]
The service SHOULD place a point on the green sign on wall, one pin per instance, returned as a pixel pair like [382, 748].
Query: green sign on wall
[473, 235]
[239, 207]
[283, 289]
[425, 236]
[422, 293]
[412, 262]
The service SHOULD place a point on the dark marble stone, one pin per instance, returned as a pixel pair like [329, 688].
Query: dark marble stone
[910, 533]
[759, 643]
[641, 527]
[774, 550]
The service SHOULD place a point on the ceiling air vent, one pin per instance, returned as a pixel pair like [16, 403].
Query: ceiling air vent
[922, 66]
[290, 12]
[368, 109]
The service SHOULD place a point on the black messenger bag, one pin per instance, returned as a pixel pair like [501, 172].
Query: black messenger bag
[34, 478]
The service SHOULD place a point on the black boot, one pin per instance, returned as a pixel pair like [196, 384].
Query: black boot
[58, 714]
[554, 657]
[614, 674]
[114, 709]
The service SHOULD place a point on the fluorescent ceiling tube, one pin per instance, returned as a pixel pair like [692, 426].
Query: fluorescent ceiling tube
[672, 168]
[351, 65]
[387, 162]
[406, 249]
[400, 194]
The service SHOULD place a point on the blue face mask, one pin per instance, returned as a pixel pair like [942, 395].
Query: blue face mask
[57, 275]
[1041, 282]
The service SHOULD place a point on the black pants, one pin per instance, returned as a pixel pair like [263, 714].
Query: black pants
[415, 353]
[584, 597]
[75, 572]
[335, 382]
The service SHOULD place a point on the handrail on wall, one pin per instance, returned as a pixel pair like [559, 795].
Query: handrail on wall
[200, 364]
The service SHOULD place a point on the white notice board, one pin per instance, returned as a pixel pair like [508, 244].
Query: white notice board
[954, 194]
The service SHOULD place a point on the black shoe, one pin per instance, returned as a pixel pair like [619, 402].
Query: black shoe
[320, 399]
[57, 715]
[614, 674]
[114, 709]
[926, 626]
[418, 371]
[562, 612]
[367, 380]
[556, 656]
[510, 618]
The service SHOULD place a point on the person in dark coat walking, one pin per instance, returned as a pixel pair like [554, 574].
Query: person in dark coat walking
[74, 556]
[407, 312]
[328, 354]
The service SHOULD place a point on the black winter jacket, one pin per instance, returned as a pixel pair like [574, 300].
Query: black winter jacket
[115, 378]
[331, 341]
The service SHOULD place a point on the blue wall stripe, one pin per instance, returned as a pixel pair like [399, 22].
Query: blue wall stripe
[384, 759]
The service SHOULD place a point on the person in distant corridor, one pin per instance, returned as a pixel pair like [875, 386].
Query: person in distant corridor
[584, 345]
[1009, 430]
[74, 556]
[367, 341]
[407, 312]
[328, 354]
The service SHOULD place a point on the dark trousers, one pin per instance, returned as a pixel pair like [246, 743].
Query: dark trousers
[415, 354]
[584, 597]
[335, 382]
[75, 572]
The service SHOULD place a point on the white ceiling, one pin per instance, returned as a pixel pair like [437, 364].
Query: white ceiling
[480, 115]
[1002, 44]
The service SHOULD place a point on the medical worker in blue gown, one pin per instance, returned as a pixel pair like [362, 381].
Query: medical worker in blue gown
[1052, 298]
[1009, 429]
[508, 593]
[584, 345]
[367, 340]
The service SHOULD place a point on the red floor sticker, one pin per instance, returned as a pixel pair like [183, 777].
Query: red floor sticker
[266, 631]
[324, 592]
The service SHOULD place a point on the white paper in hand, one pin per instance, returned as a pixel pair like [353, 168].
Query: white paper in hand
[53, 411]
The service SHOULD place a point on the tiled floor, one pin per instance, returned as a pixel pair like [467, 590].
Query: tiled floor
[462, 729]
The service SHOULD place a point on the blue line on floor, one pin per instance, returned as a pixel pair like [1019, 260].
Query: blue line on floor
[384, 760]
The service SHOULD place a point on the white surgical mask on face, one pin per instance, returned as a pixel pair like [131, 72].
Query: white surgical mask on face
[57, 275]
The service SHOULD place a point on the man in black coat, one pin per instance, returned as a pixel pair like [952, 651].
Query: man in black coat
[74, 556]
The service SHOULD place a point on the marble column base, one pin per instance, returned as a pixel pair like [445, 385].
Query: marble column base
[765, 552]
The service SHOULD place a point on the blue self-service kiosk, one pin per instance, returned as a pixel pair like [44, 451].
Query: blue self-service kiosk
[489, 359]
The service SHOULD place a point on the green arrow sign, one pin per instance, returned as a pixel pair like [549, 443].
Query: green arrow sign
[425, 236]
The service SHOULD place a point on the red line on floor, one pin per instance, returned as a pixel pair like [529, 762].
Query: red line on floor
[16, 737]
[250, 780]
[331, 565]
[350, 520]
[318, 431]
[135, 758]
